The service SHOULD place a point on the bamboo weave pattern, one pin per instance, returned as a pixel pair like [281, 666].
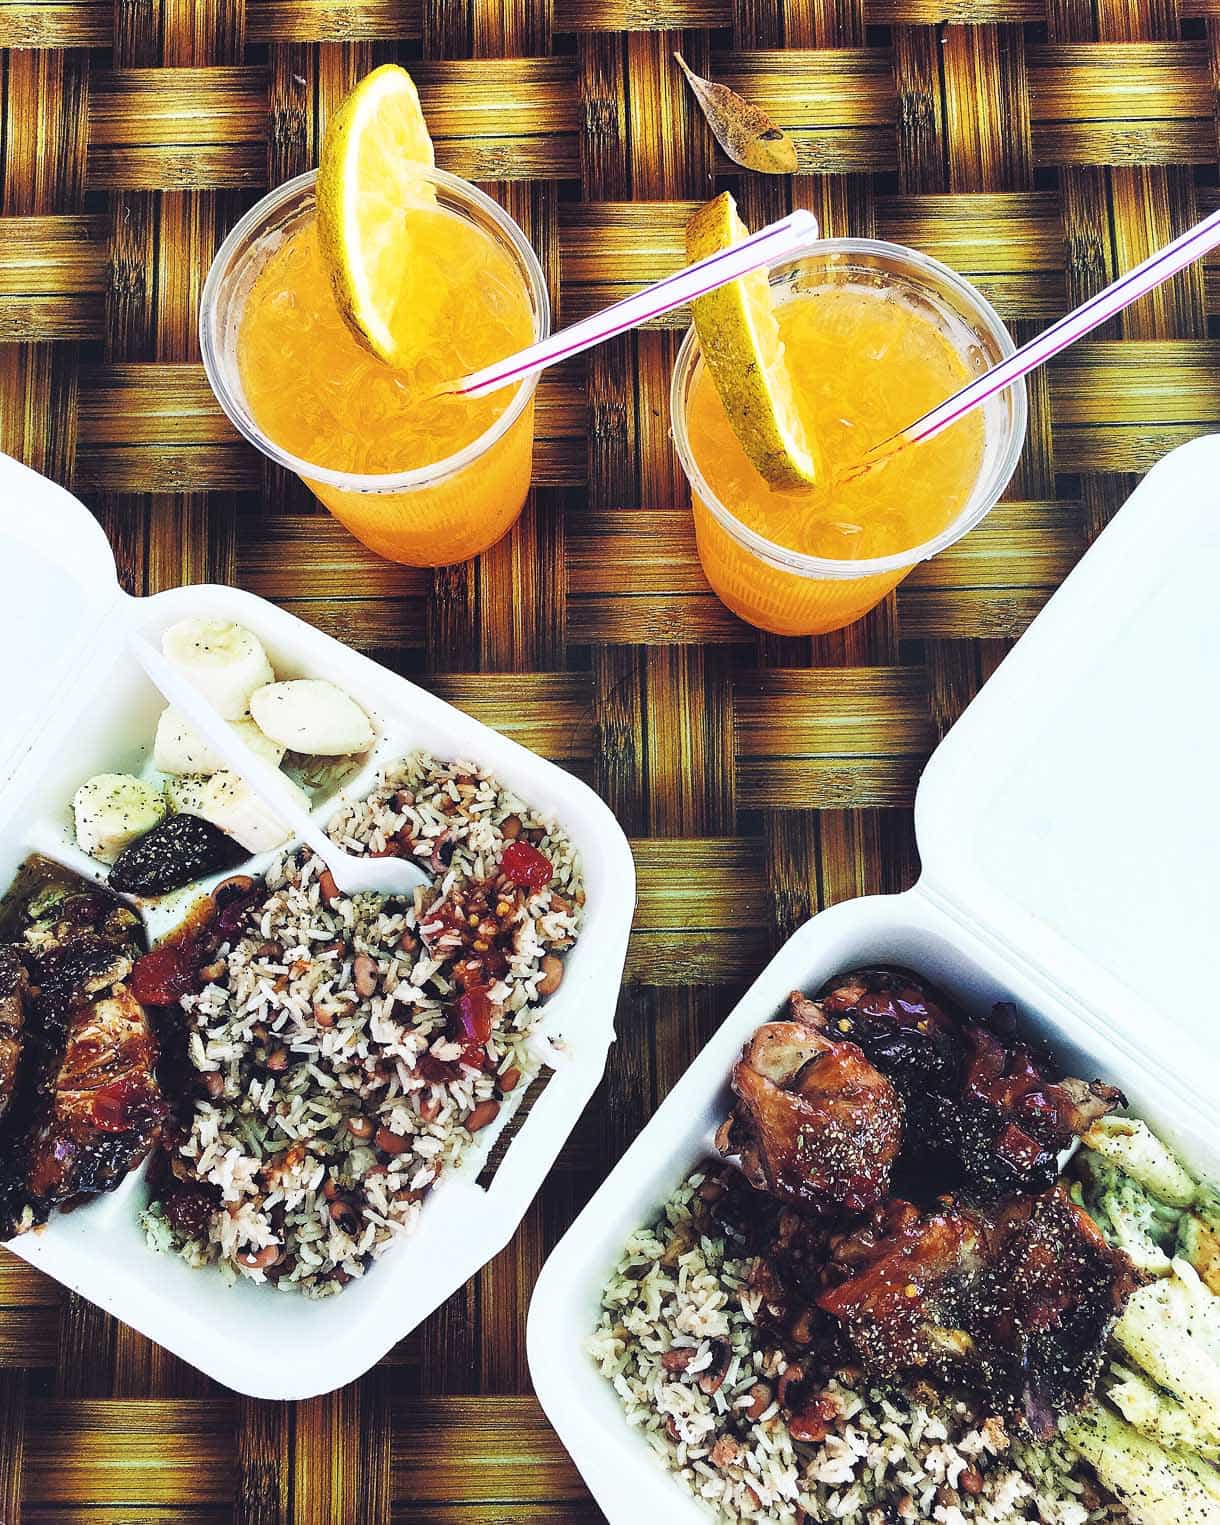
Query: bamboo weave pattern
[1040, 146]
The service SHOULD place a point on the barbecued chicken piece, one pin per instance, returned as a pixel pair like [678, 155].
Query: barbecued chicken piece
[88, 1105]
[904, 1027]
[1018, 1305]
[903, 1287]
[815, 1122]
[984, 1110]
[1013, 1116]
[1053, 1291]
[103, 1106]
[14, 1001]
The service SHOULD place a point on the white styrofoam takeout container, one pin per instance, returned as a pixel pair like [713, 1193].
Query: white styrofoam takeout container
[77, 704]
[1069, 829]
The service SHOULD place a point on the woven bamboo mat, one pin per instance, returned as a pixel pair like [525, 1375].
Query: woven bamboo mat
[1038, 145]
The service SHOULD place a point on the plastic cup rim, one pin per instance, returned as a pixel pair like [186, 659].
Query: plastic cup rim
[211, 342]
[972, 306]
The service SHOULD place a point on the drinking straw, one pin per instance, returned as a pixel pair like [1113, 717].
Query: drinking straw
[1145, 277]
[777, 241]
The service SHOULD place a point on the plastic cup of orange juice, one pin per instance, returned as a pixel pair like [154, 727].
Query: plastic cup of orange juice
[422, 480]
[874, 335]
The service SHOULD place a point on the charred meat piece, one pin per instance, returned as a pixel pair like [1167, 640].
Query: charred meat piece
[1018, 1304]
[909, 1032]
[14, 1000]
[103, 1105]
[815, 1122]
[985, 1111]
[87, 1105]
[181, 849]
[906, 1284]
[1053, 1291]
[72, 978]
[1013, 1115]
[904, 1027]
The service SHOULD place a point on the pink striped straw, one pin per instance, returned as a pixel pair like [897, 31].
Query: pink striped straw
[778, 241]
[1119, 294]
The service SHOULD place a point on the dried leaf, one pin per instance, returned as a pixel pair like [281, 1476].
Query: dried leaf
[746, 133]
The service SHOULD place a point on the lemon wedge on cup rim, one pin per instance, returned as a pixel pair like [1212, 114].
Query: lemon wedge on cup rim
[368, 181]
[741, 347]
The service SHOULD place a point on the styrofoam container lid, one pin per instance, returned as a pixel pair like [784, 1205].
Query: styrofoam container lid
[57, 583]
[1073, 812]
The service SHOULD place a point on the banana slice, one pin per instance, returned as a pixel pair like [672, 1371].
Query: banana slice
[225, 662]
[312, 715]
[227, 801]
[178, 749]
[112, 810]
[185, 792]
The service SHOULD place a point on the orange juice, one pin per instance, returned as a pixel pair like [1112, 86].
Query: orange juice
[865, 361]
[421, 479]
[315, 391]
